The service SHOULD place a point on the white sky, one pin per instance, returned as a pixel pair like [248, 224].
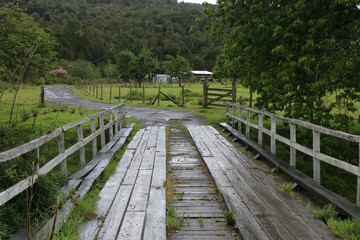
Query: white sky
[199, 1]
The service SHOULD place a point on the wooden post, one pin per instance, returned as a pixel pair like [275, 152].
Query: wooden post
[110, 92]
[61, 148]
[119, 92]
[93, 89]
[94, 141]
[89, 87]
[37, 166]
[292, 149]
[183, 94]
[159, 94]
[102, 134]
[130, 94]
[233, 92]
[116, 121]
[80, 136]
[102, 92]
[248, 120]
[273, 132]
[240, 117]
[97, 90]
[358, 184]
[42, 95]
[205, 95]
[111, 129]
[261, 125]
[143, 93]
[316, 162]
[233, 115]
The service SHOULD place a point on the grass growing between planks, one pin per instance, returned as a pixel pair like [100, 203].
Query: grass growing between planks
[348, 229]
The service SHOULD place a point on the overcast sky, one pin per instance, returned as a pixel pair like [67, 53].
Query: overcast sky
[199, 1]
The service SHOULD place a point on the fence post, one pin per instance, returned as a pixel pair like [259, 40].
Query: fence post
[110, 92]
[130, 93]
[273, 132]
[143, 93]
[97, 90]
[183, 94]
[316, 162]
[80, 136]
[159, 94]
[119, 92]
[358, 184]
[102, 92]
[94, 141]
[61, 147]
[261, 125]
[248, 120]
[233, 92]
[116, 121]
[292, 149]
[42, 95]
[240, 117]
[102, 134]
[205, 95]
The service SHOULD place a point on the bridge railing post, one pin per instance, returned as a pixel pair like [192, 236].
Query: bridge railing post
[102, 134]
[358, 184]
[227, 113]
[292, 149]
[80, 136]
[240, 117]
[316, 162]
[111, 128]
[248, 120]
[61, 148]
[273, 137]
[233, 115]
[260, 131]
[94, 141]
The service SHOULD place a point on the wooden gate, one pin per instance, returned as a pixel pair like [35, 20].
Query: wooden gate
[218, 96]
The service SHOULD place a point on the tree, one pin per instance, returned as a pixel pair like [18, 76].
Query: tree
[26, 50]
[126, 62]
[177, 67]
[145, 63]
[293, 53]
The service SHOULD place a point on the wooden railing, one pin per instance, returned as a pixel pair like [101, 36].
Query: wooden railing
[116, 120]
[235, 113]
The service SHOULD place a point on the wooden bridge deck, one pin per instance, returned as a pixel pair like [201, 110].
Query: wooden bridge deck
[132, 205]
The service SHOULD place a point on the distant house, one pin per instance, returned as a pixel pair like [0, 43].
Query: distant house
[201, 75]
[161, 78]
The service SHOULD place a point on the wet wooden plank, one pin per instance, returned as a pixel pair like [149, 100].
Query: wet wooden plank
[136, 139]
[132, 226]
[155, 225]
[113, 220]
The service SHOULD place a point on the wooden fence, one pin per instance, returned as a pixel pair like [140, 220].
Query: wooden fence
[218, 96]
[234, 114]
[116, 120]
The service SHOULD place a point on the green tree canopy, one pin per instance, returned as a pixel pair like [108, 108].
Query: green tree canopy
[177, 66]
[294, 54]
[26, 50]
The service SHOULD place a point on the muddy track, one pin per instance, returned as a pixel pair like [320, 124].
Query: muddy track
[147, 116]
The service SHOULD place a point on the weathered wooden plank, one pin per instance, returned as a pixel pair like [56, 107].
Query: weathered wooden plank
[155, 226]
[80, 136]
[148, 158]
[136, 139]
[113, 220]
[132, 227]
[159, 172]
[89, 229]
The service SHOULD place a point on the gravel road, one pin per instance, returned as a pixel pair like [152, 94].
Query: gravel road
[147, 116]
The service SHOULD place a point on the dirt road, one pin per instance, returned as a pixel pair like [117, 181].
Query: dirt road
[147, 116]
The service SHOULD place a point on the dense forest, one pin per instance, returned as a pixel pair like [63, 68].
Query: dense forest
[98, 30]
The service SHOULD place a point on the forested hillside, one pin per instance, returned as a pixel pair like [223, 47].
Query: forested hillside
[98, 30]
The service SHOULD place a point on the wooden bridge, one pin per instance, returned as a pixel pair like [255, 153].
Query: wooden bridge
[133, 204]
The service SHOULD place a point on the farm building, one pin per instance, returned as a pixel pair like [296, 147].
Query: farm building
[161, 78]
[202, 75]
